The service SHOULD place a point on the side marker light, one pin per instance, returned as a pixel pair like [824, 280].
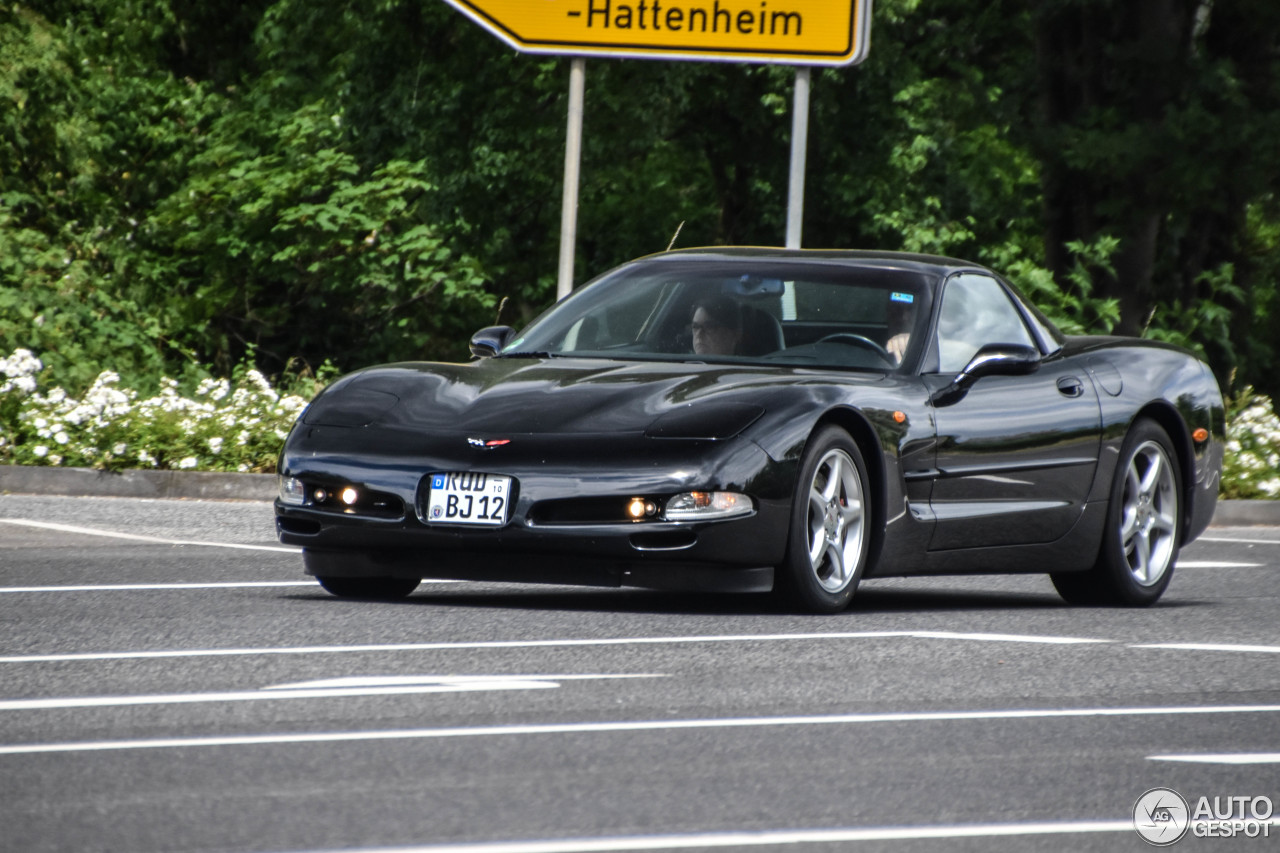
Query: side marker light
[1200, 436]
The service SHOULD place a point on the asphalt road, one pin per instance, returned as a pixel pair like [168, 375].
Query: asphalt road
[157, 694]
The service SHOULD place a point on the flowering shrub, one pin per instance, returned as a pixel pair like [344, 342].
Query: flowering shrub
[1251, 468]
[220, 428]
[240, 426]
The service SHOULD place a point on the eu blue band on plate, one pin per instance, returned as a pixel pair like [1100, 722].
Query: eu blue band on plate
[437, 481]
[902, 297]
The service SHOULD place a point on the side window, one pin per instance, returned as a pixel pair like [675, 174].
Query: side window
[975, 311]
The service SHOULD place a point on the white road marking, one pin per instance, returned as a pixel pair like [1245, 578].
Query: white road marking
[632, 726]
[402, 680]
[539, 644]
[1222, 758]
[1210, 647]
[1207, 564]
[334, 688]
[1238, 541]
[155, 540]
[766, 837]
[117, 587]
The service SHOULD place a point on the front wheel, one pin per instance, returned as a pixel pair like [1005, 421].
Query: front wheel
[373, 589]
[830, 525]
[1144, 527]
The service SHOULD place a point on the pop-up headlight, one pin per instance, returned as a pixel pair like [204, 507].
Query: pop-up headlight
[705, 506]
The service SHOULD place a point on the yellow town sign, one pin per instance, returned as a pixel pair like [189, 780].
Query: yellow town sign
[794, 32]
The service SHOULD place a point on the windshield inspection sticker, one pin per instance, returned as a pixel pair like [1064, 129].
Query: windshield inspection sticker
[906, 298]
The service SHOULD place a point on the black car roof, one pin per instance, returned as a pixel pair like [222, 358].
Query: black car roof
[906, 261]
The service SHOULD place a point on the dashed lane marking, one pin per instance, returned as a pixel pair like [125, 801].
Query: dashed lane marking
[1222, 758]
[119, 587]
[1211, 647]
[768, 838]
[633, 726]
[154, 540]
[328, 689]
[540, 644]
[1234, 541]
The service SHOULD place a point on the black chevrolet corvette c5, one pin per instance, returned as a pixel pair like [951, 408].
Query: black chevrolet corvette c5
[762, 419]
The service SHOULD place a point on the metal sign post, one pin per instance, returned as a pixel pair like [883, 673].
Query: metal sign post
[572, 167]
[799, 148]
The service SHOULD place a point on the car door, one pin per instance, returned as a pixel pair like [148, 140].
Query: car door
[1016, 454]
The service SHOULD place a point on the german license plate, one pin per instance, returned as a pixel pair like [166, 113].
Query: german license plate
[468, 498]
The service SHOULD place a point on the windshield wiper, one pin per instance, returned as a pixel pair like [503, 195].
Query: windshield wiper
[529, 354]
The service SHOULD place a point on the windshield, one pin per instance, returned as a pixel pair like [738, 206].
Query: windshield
[748, 310]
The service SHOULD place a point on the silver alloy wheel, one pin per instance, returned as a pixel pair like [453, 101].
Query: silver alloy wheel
[835, 521]
[1148, 521]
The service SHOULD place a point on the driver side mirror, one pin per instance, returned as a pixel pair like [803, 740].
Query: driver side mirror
[490, 340]
[990, 360]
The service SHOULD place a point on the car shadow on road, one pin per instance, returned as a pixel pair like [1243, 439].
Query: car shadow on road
[608, 600]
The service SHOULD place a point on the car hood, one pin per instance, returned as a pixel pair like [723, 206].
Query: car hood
[496, 397]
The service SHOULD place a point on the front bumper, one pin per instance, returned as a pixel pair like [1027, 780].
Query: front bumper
[539, 543]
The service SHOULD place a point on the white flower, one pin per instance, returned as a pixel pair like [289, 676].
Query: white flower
[215, 444]
[120, 449]
[62, 438]
[189, 462]
[41, 451]
[55, 460]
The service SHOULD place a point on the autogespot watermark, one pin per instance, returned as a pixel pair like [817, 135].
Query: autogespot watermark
[1162, 817]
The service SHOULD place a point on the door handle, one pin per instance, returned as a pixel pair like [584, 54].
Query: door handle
[1070, 386]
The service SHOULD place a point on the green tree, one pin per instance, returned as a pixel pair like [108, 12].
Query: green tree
[1156, 126]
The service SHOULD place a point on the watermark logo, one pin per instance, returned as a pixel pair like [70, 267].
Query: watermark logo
[1161, 816]
[1232, 817]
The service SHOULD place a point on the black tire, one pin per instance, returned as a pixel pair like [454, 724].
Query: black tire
[831, 520]
[370, 589]
[1144, 527]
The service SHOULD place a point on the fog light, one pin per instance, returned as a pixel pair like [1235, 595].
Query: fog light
[695, 506]
[319, 496]
[640, 508]
[350, 496]
[292, 491]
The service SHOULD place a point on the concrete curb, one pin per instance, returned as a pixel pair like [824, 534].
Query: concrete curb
[1247, 514]
[87, 482]
[198, 485]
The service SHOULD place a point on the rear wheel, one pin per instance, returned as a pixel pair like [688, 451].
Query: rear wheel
[830, 525]
[1144, 526]
[384, 589]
